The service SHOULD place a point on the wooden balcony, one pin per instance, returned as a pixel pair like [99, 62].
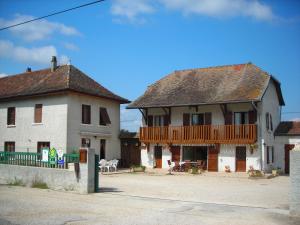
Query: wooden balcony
[202, 134]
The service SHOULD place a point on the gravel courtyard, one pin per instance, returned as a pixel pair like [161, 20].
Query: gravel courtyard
[153, 199]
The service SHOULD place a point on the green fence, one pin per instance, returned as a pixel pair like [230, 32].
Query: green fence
[34, 159]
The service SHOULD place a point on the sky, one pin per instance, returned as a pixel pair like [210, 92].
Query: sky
[126, 45]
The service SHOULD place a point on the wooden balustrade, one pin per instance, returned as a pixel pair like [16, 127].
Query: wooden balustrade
[202, 134]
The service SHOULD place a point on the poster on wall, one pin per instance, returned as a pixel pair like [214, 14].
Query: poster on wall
[45, 154]
[60, 156]
[52, 156]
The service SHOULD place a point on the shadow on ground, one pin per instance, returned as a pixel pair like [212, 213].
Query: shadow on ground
[108, 190]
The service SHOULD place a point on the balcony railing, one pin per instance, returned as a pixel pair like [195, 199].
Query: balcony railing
[202, 134]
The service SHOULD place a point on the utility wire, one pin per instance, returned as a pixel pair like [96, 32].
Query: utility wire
[52, 14]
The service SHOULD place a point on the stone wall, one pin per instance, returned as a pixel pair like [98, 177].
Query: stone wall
[295, 182]
[56, 179]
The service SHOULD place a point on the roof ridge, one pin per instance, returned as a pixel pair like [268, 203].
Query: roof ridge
[214, 67]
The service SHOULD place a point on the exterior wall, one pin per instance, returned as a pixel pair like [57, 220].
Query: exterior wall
[97, 132]
[270, 104]
[25, 133]
[280, 142]
[295, 182]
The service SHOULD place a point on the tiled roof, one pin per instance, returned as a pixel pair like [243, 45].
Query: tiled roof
[288, 128]
[63, 78]
[221, 84]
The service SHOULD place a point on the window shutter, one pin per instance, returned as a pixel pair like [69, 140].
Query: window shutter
[252, 117]
[186, 119]
[271, 123]
[86, 114]
[150, 121]
[228, 118]
[38, 113]
[104, 116]
[272, 154]
[208, 118]
[267, 121]
[166, 120]
[268, 155]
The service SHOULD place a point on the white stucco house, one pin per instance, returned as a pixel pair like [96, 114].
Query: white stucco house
[287, 136]
[223, 117]
[58, 107]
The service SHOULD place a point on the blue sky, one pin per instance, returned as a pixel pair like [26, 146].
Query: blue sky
[127, 45]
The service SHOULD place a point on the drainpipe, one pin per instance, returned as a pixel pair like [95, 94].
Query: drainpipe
[260, 133]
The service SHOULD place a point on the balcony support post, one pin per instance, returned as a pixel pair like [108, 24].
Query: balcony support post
[144, 114]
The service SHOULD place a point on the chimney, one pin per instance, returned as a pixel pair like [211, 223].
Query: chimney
[53, 64]
[28, 70]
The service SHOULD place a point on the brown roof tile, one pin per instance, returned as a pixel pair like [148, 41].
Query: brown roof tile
[64, 78]
[288, 128]
[221, 84]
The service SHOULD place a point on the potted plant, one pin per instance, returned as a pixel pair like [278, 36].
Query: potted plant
[276, 171]
[227, 169]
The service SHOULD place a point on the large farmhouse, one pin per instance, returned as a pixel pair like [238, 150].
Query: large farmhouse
[224, 116]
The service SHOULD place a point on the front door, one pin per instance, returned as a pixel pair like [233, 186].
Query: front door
[287, 149]
[175, 153]
[212, 159]
[240, 158]
[158, 156]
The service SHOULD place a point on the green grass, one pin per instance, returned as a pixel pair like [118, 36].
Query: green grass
[37, 183]
[16, 182]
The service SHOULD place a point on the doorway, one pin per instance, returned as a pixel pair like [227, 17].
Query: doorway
[287, 149]
[158, 156]
[175, 150]
[213, 154]
[240, 159]
[102, 149]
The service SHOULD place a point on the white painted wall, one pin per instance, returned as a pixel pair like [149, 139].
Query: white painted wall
[25, 133]
[280, 142]
[110, 132]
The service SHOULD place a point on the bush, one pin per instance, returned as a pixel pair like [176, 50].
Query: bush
[16, 182]
[37, 183]
[137, 168]
[255, 173]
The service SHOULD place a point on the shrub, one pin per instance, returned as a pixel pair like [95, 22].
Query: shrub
[16, 182]
[137, 168]
[37, 183]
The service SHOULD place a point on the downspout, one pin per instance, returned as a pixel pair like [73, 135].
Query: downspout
[260, 132]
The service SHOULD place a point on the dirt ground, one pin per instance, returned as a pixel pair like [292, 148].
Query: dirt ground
[154, 199]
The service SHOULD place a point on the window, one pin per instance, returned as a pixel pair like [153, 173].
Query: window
[40, 146]
[9, 146]
[241, 118]
[269, 122]
[270, 154]
[85, 142]
[104, 118]
[11, 116]
[86, 114]
[197, 119]
[158, 121]
[194, 153]
[102, 149]
[38, 111]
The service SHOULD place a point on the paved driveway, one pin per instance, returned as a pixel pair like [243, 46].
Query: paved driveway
[147, 199]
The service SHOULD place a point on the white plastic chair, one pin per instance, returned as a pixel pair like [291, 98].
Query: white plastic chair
[102, 165]
[114, 164]
[108, 165]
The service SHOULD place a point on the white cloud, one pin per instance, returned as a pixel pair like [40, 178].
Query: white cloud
[70, 46]
[131, 9]
[37, 30]
[130, 119]
[3, 75]
[212, 8]
[295, 119]
[36, 55]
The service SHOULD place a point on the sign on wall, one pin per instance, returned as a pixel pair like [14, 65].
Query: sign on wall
[52, 156]
[60, 156]
[45, 154]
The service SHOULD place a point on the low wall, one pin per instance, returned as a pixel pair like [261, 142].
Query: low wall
[56, 179]
[295, 182]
